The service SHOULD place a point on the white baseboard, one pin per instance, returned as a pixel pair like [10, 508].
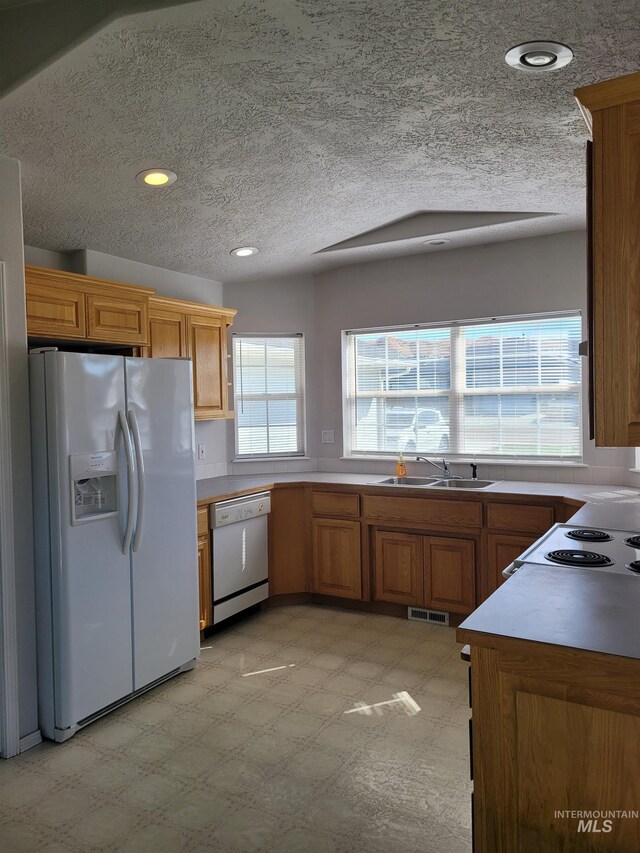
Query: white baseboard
[30, 740]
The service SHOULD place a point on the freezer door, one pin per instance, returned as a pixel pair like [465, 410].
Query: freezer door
[164, 552]
[82, 575]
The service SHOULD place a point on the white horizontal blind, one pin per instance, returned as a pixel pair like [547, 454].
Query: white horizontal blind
[506, 388]
[268, 373]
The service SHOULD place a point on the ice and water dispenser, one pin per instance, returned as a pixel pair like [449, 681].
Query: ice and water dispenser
[94, 485]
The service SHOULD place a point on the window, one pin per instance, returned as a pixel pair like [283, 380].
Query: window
[496, 389]
[268, 374]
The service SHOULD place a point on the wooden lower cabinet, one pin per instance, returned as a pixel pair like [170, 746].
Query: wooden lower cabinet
[398, 572]
[205, 580]
[337, 564]
[502, 550]
[555, 730]
[449, 574]
[288, 542]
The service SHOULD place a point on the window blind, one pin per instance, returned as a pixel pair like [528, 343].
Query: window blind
[268, 374]
[508, 388]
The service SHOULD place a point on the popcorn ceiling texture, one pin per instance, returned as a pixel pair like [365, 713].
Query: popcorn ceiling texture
[296, 124]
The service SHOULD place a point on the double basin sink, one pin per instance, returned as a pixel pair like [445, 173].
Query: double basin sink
[435, 482]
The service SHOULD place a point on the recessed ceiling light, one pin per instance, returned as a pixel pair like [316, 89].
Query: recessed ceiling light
[539, 56]
[156, 177]
[436, 242]
[244, 251]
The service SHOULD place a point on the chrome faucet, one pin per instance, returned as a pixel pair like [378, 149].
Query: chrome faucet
[446, 471]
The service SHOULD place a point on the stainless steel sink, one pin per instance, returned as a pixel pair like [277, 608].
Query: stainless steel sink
[406, 481]
[462, 484]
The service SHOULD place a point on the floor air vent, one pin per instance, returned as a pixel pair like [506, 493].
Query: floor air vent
[436, 617]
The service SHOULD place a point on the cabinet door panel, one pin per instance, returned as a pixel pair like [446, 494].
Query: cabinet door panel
[208, 351]
[336, 557]
[449, 574]
[204, 570]
[167, 335]
[398, 567]
[288, 529]
[501, 551]
[117, 319]
[55, 312]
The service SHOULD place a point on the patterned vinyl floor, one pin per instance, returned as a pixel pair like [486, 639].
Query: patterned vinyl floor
[302, 730]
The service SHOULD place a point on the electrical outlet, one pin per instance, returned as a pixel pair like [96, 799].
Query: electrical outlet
[201, 451]
[328, 436]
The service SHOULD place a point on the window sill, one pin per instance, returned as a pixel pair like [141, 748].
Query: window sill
[468, 460]
[271, 459]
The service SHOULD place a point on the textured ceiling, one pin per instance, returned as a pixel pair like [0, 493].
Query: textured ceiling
[294, 125]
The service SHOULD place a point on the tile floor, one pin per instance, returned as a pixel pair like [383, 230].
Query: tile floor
[220, 759]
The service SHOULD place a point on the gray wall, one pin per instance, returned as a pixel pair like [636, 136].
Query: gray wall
[516, 277]
[276, 305]
[11, 252]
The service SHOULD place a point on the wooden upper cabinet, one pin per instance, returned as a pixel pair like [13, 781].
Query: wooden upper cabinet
[118, 319]
[178, 328]
[67, 306]
[612, 112]
[337, 568]
[167, 329]
[208, 350]
[58, 312]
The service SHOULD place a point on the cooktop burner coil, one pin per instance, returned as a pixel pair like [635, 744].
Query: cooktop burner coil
[587, 535]
[578, 558]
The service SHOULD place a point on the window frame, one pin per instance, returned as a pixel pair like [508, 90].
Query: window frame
[454, 392]
[299, 395]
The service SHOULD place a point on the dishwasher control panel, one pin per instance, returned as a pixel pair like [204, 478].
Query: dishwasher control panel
[239, 509]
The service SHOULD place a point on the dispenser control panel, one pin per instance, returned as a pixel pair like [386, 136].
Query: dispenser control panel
[94, 485]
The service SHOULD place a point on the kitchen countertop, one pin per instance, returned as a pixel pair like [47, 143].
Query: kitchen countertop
[575, 608]
[617, 507]
[569, 607]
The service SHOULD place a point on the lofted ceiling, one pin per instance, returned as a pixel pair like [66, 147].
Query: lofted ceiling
[299, 125]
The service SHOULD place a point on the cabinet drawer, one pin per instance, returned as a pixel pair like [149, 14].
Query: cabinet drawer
[427, 511]
[203, 521]
[511, 517]
[335, 503]
[117, 319]
[55, 312]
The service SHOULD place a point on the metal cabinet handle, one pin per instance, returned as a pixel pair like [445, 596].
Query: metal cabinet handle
[137, 443]
[128, 452]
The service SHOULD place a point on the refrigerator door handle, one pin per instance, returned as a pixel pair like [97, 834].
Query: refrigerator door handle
[137, 443]
[128, 452]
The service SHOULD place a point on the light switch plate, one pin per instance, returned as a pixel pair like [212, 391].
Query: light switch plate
[201, 451]
[328, 436]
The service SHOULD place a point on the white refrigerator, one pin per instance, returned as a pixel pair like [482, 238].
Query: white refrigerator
[115, 530]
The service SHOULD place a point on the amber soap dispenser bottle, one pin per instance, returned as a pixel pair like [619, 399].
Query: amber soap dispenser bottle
[401, 468]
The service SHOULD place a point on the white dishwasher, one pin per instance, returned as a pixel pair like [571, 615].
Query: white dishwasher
[239, 533]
